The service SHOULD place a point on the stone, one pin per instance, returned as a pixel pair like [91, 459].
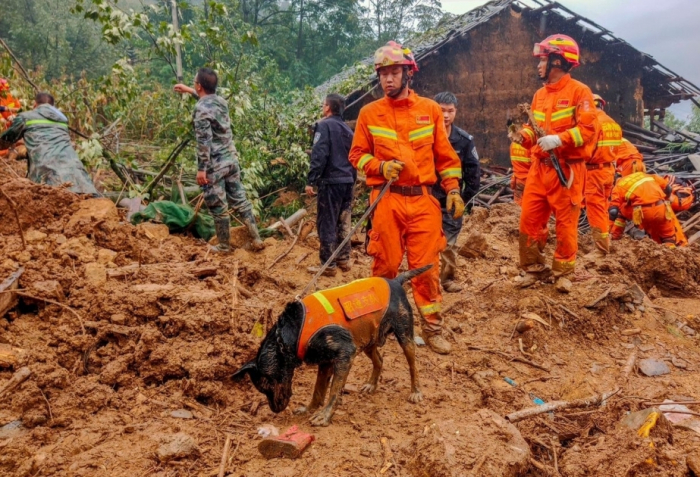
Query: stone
[61, 239]
[443, 448]
[475, 246]
[693, 463]
[79, 248]
[182, 414]
[105, 256]
[118, 319]
[629, 307]
[153, 231]
[97, 209]
[34, 236]
[653, 367]
[50, 289]
[95, 273]
[177, 446]
[563, 285]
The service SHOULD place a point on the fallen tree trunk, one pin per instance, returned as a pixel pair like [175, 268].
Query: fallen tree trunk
[557, 405]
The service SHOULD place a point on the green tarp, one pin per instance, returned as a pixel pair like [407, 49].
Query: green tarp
[177, 217]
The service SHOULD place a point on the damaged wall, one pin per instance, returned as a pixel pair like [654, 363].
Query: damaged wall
[491, 70]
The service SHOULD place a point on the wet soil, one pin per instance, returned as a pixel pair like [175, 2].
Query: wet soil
[149, 326]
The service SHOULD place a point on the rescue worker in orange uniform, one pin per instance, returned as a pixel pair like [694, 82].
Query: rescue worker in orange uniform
[565, 111]
[9, 106]
[683, 197]
[402, 137]
[600, 176]
[643, 198]
[629, 160]
[520, 163]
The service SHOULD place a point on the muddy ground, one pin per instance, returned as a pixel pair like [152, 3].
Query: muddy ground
[150, 325]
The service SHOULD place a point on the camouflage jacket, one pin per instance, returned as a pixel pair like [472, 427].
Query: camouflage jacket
[52, 159]
[212, 128]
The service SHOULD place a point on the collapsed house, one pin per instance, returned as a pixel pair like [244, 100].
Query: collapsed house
[485, 58]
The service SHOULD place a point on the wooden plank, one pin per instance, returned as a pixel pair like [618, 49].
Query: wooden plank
[9, 300]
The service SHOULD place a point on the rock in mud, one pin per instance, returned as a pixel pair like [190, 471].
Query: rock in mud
[50, 289]
[34, 236]
[93, 209]
[95, 273]
[563, 285]
[653, 367]
[176, 447]
[475, 246]
[455, 447]
[693, 462]
[153, 231]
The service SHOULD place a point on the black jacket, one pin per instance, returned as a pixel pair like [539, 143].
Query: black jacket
[463, 144]
[329, 156]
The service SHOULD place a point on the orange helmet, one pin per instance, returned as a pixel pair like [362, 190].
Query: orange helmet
[4, 85]
[394, 54]
[561, 45]
[682, 197]
[599, 101]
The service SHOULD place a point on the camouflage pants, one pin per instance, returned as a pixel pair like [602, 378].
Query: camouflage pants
[225, 190]
[448, 258]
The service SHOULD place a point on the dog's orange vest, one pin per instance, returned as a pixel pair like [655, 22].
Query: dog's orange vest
[358, 307]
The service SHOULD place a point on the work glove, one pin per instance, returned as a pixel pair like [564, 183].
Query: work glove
[547, 143]
[454, 201]
[391, 169]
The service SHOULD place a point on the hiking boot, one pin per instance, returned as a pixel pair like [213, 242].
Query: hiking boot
[451, 286]
[328, 272]
[345, 265]
[437, 343]
[249, 221]
[531, 278]
[223, 233]
[432, 335]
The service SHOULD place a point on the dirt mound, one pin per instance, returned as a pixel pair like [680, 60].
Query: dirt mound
[142, 324]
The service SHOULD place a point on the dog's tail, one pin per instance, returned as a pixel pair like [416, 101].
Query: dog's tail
[406, 276]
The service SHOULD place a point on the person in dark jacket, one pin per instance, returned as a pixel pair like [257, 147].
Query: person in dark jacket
[333, 175]
[463, 144]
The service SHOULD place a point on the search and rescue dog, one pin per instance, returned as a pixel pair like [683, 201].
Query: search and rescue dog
[328, 329]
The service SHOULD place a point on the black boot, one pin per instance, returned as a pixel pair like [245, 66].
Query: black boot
[249, 221]
[223, 232]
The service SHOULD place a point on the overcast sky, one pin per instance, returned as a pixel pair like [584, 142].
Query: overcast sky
[668, 30]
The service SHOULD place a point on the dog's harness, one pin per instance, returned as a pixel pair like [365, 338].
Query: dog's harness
[358, 307]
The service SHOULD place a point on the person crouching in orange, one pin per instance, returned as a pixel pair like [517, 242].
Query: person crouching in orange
[402, 137]
[643, 198]
[629, 160]
[565, 111]
[600, 176]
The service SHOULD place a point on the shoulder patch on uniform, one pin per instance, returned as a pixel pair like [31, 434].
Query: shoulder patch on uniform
[423, 119]
[563, 103]
[317, 136]
[464, 133]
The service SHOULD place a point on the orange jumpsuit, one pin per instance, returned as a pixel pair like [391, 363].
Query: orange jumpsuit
[9, 102]
[640, 197]
[565, 108]
[408, 218]
[600, 178]
[629, 160]
[520, 162]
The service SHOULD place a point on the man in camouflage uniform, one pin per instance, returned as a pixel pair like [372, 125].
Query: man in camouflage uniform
[52, 159]
[218, 172]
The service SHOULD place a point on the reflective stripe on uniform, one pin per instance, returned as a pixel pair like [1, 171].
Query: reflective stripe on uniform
[421, 133]
[620, 223]
[520, 159]
[430, 309]
[637, 184]
[456, 172]
[604, 234]
[609, 142]
[364, 160]
[564, 113]
[576, 136]
[32, 122]
[539, 115]
[324, 301]
[378, 131]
